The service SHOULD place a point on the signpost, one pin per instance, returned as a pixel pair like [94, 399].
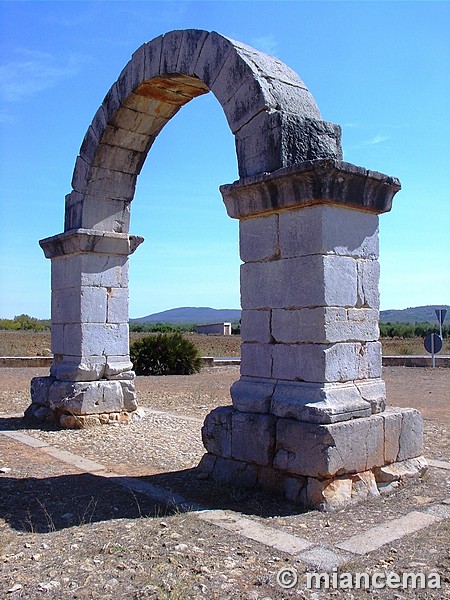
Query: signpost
[433, 344]
[440, 315]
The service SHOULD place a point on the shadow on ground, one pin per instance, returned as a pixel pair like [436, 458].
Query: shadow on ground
[53, 503]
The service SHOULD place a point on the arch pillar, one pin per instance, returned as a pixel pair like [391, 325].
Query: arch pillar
[91, 379]
[308, 415]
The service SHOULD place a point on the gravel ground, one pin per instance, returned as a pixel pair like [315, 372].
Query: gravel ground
[68, 534]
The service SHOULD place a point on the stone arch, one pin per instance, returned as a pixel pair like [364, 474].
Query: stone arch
[307, 416]
[268, 108]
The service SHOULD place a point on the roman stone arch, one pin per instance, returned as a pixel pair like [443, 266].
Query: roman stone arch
[268, 108]
[310, 356]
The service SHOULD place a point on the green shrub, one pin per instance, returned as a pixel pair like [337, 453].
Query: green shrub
[165, 354]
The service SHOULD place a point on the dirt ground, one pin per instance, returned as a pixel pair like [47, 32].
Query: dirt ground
[30, 343]
[67, 534]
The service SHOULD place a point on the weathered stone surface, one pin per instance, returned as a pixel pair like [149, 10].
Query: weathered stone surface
[403, 434]
[318, 403]
[39, 390]
[80, 398]
[216, 431]
[373, 392]
[324, 325]
[411, 435]
[299, 282]
[406, 469]
[258, 238]
[77, 368]
[252, 394]
[368, 283]
[260, 429]
[274, 140]
[129, 395]
[256, 360]
[118, 366]
[326, 363]
[75, 305]
[255, 326]
[328, 229]
[329, 450]
[315, 180]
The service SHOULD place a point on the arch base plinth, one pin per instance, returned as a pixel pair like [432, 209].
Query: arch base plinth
[320, 466]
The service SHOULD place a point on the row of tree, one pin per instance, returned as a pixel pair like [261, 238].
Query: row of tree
[387, 330]
[411, 330]
[25, 323]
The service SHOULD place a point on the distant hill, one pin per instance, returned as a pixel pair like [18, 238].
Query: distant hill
[203, 315]
[195, 315]
[418, 314]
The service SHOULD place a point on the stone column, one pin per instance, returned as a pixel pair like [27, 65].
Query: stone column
[308, 415]
[91, 379]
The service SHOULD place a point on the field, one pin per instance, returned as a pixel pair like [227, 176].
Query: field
[28, 343]
[73, 530]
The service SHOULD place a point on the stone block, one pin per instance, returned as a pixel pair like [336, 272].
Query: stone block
[123, 138]
[324, 325]
[315, 450]
[118, 159]
[258, 238]
[103, 270]
[171, 45]
[39, 388]
[80, 174]
[392, 420]
[368, 283]
[373, 392]
[191, 46]
[111, 101]
[328, 229]
[117, 305]
[111, 183]
[82, 398]
[255, 326]
[129, 395]
[75, 305]
[57, 338]
[118, 365]
[299, 282]
[253, 437]
[328, 494]
[256, 360]
[94, 339]
[274, 139]
[212, 57]
[318, 403]
[137, 66]
[235, 473]
[58, 273]
[105, 214]
[399, 471]
[403, 432]
[411, 435]
[78, 368]
[250, 394]
[317, 363]
[152, 58]
[216, 431]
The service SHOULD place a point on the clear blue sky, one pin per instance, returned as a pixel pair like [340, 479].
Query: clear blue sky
[378, 69]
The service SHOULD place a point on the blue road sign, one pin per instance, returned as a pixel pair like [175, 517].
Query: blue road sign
[433, 343]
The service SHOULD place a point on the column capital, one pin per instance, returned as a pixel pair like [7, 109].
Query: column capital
[324, 181]
[83, 241]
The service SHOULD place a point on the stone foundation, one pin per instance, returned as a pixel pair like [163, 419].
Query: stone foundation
[78, 404]
[322, 466]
